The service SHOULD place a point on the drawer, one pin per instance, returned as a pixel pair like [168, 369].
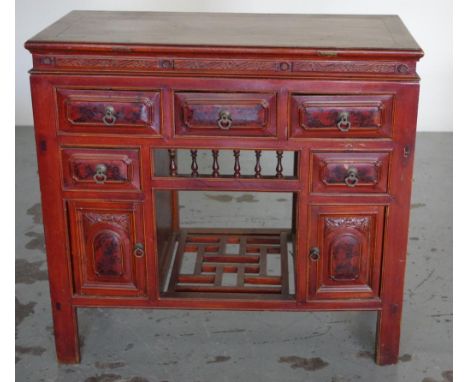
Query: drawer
[341, 116]
[349, 172]
[109, 111]
[225, 114]
[104, 169]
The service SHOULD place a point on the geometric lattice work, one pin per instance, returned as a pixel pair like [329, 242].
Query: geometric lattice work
[231, 262]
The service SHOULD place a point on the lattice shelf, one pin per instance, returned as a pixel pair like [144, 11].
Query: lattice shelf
[213, 262]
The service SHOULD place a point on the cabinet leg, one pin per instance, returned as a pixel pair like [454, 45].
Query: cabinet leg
[67, 344]
[387, 344]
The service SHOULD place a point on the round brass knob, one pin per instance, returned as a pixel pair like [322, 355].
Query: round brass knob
[343, 123]
[352, 178]
[100, 175]
[224, 120]
[139, 250]
[314, 253]
[109, 116]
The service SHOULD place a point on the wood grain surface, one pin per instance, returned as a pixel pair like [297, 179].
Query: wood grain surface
[231, 29]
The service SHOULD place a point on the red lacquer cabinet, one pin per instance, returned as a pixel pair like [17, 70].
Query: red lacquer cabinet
[127, 118]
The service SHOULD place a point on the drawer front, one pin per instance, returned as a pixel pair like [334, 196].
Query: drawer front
[349, 172]
[345, 251]
[109, 111]
[102, 169]
[107, 247]
[225, 114]
[341, 116]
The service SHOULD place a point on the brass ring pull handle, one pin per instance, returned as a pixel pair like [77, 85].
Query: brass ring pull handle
[100, 176]
[314, 253]
[139, 250]
[109, 116]
[343, 123]
[224, 120]
[352, 178]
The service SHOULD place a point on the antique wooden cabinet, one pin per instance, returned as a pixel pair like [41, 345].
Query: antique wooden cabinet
[117, 96]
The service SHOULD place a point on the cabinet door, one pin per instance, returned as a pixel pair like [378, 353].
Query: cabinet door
[107, 246]
[345, 251]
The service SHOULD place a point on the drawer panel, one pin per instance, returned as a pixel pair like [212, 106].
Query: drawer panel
[109, 111]
[104, 169]
[225, 114]
[341, 116]
[349, 172]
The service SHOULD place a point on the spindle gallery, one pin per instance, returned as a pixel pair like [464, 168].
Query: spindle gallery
[133, 109]
[237, 170]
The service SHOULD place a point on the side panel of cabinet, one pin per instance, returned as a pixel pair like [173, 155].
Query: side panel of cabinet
[348, 248]
[107, 244]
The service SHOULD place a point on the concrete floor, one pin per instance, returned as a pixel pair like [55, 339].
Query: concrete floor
[189, 346]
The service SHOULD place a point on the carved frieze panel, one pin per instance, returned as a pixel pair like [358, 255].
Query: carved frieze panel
[220, 65]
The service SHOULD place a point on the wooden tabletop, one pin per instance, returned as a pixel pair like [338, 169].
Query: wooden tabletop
[374, 32]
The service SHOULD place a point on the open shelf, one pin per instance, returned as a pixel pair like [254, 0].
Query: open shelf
[228, 263]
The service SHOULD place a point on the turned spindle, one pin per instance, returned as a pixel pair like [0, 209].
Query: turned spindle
[172, 164]
[279, 165]
[215, 172]
[258, 168]
[194, 167]
[237, 167]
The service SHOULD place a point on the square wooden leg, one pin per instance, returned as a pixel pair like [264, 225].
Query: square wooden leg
[67, 342]
[387, 344]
